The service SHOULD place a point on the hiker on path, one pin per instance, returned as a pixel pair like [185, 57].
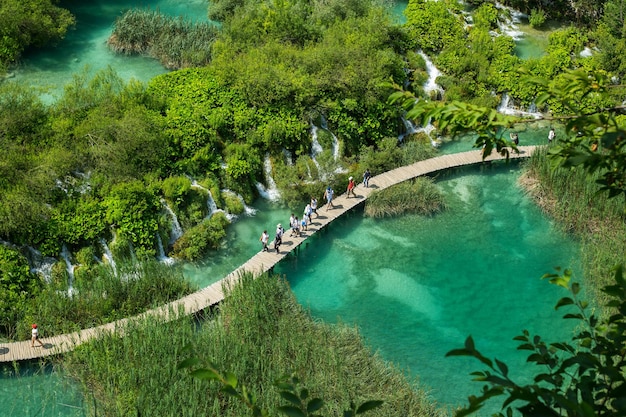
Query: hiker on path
[351, 186]
[34, 336]
[278, 239]
[264, 240]
[551, 135]
[314, 206]
[366, 177]
[328, 195]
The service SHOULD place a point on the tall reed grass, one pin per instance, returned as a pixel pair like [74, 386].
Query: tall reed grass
[175, 42]
[260, 333]
[106, 297]
[421, 196]
[572, 198]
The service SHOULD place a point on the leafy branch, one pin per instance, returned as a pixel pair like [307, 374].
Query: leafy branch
[585, 378]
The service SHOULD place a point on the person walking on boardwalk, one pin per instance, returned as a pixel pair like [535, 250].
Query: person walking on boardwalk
[314, 206]
[264, 240]
[292, 228]
[34, 336]
[551, 135]
[307, 214]
[278, 239]
[303, 224]
[351, 186]
[328, 195]
[366, 177]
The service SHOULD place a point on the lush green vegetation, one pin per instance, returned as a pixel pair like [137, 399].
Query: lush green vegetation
[421, 196]
[261, 334]
[29, 23]
[105, 160]
[98, 294]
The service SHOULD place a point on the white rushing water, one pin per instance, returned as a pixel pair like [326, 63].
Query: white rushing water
[431, 86]
[211, 206]
[177, 230]
[161, 256]
[65, 254]
[108, 255]
[271, 191]
[505, 107]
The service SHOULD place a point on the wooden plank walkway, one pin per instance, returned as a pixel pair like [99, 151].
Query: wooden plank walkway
[259, 263]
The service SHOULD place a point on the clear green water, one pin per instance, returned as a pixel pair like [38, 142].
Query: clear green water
[85, 49]
[418, 286]
[415, 286]
[36, 391]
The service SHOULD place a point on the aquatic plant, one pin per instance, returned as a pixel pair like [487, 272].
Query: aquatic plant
[260, 333]
[421, 196]
[175, 42]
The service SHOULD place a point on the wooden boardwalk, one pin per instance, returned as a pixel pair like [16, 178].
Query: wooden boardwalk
[259, 263]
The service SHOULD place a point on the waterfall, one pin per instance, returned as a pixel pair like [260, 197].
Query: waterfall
[161, 256]
[40, 265]
[505, 107]
[210, 202]
[108, 256]
[335, 144]
[271, 192]
[411, 129]
[176, 231]
[431, 85]
[316, 148]
[65, 254]
[248, 211]
[509, 25]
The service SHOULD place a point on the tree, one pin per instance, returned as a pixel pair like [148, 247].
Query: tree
[28, 23]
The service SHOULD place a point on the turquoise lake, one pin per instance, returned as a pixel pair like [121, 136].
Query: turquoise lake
[415, 286]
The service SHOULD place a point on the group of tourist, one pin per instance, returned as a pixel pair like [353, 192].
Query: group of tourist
[297, 226]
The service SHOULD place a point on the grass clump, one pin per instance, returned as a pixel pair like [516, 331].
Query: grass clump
[259, 334]
[571, 196]
[420, 196]
[175, 42]
[106, 296]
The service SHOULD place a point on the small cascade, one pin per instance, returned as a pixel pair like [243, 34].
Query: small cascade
[40, 265]
[108, 255]
[431, 86]
[65, 254]
[335, 140]
[411, 129]
[210, 202]
[161, 256]
[271, 192]
[505, 107]
[509, 26]
[248, 211]
[177, 230]
[316, 147]
[288, 157]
